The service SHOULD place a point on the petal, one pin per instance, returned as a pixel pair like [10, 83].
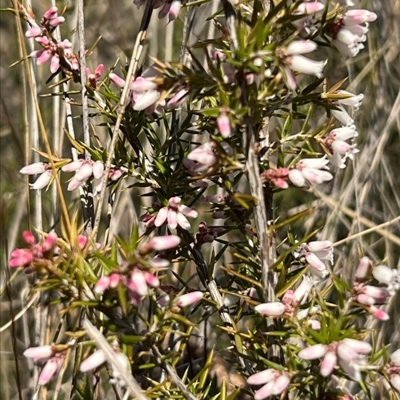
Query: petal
[313, 352]
[161, 216]
[328, 363]
[93, 361]
[189, 299]
[189, 212]
[149, 98]
[262, 377]
[172, 219]
[271, 309]
[182, 221]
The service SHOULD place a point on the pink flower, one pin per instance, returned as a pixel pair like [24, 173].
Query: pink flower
[37, 253]
[188, 299]
[200, 159]
[83, 169]
[388, 277]
[224, 125]
[295, 61]
[51, 368]
[290, 302]
[39, 354]
[93, 78]
[350, 31]
[38, 168]
[310, 170]
[175, 214]
[276, 382]
[161, 243]
[393, 370]
[349, 354]
[93, 361]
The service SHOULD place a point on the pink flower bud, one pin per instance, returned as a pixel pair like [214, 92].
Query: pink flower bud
[301, 47]
[139, 282]
[188, 299]
[142, 85]
[39, 354]
[280, 384]
[51, 13]
[357, 345]
[271, 309]
[72, 166]
[362, 269]
[117, 80]
[57, 21]
[98, 169]
[33, 32]
[43, 57]
[93, 361]
[328, 363]
[261, 377]
[33, 169]
[174, 10]
[115, 279]
[42, 181]
[29, 237]
[49, 242]
[161, 243]
[102, 284]
[380, 295]
[52, 367]
[224, 125]
[378, 313]
[146, 100]
[151, 279]
[313, 352]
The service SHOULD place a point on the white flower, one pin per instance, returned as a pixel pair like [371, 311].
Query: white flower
[387, 276]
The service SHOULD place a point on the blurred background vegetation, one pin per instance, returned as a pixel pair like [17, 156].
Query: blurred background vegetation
[366, 194]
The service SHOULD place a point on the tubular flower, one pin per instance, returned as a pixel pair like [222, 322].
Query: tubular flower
[175, 214]
[393, 370]
[43, 170]
[349, 32]
[293, 58]
[36, 255]
[275, 382]
[388, 277]
[290, 301]
[315, 253]
[84, 169]
[349, 354]
[310, 170]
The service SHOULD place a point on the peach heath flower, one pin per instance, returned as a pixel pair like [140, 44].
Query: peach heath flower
[349, 354]
[310, 170]
[393, 370]
[292, 57]
[275, 382]
[315, 253]
[290, 301]
[175, 214]
[388, 277]
[188, 299]
[307, 24]
[35, 254]
[277, 176]
[349, 32]
[93, 78]
[43, 170]
[224, 125]
[83, 169]
[53, 361]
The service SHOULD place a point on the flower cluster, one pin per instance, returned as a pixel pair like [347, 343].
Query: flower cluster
[310, 170]
[53, 361]
[275, 382]
[52, 49]
[37, 255]
[348, 353]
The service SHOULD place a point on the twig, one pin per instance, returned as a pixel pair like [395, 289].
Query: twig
[137, 50]
[173, 374]
[87, 198]
[102, 344]
[214, 292]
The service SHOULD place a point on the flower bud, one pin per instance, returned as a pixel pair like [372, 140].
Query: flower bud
[188, 299]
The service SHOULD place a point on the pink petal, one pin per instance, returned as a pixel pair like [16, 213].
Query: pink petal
[328, 363]
[33, 169]
[151, 279]
[262, 377]
[189, 212]
[189, 299]
[271, 309]
[39, 354]
[117, 80]
[98, 169]
[139, 281]
[51, 368]
[313, 352]
[161, 243]
[183, 222]
[42, 181]
[102, 284]
[44, 57]
[265, 391]
[172, 219]
[93, 361]
[149, 98]
[161, 216]
[280, 384]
